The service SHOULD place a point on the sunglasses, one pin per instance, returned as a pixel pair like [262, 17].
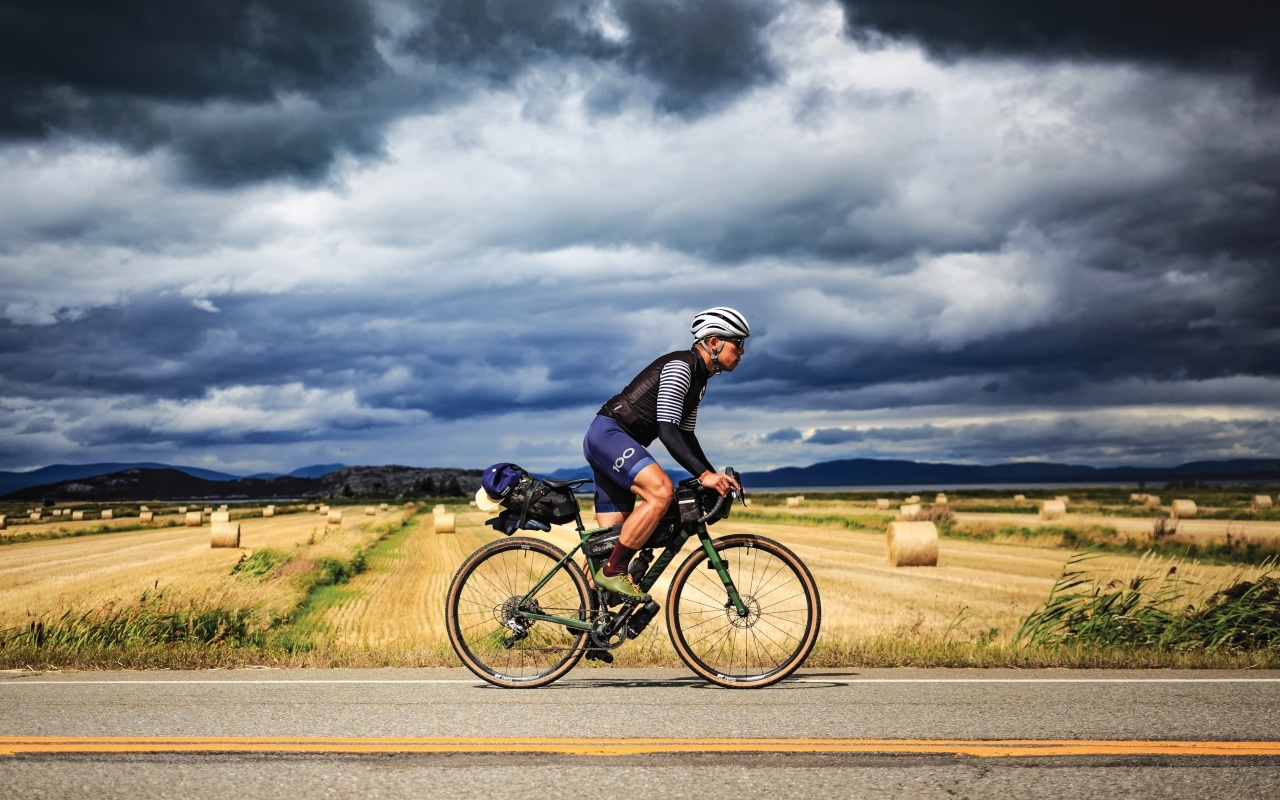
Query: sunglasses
[738, 343]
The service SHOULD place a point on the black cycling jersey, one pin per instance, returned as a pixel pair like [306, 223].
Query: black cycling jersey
[651, 407]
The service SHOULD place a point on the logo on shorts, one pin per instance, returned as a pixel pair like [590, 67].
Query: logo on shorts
[622, 459]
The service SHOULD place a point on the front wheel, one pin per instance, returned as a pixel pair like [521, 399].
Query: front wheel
[778, 630]
[484, 613]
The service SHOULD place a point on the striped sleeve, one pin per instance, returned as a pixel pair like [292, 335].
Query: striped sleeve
[673, 385]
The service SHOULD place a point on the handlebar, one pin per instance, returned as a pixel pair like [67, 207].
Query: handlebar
[714, 513]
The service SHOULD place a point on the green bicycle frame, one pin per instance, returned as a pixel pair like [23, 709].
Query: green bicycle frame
[682, 534]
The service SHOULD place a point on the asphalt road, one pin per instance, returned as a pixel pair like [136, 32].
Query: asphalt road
[889, 733]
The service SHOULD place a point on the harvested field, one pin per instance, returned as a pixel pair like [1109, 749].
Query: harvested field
[91, 571]
[400, 600]
[979, 590]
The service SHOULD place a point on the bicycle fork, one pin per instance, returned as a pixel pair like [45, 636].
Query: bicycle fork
[722, 569]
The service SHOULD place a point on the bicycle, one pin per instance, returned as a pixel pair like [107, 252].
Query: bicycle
[742, 610]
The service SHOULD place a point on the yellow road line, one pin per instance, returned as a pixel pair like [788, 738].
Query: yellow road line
[13, 745]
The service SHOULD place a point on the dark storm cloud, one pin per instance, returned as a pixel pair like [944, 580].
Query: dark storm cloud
[317, 340]
[123, 70]
[698, 50]
[1235, 35]
[251, 90]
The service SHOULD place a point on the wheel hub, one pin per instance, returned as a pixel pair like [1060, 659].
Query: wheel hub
[513, 609]
[752, 615]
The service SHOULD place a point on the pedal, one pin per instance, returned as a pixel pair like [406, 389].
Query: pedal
[603, 656]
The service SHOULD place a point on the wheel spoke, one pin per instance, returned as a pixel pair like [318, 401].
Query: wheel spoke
[777, 630]
[491, 591]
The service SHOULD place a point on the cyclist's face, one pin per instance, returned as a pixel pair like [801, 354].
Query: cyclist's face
[731, 354]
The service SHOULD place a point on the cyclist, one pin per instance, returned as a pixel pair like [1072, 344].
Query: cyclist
[660, 403]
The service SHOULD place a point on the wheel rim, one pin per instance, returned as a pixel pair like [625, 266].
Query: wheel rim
[773, 634]
[492, 634]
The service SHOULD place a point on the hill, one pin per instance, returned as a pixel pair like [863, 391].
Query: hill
[880, 472]
[57, 473]
[174, 484]
[886, 472]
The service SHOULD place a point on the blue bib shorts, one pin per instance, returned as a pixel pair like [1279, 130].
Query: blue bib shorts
[616, 459]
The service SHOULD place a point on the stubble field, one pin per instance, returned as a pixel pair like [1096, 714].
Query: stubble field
[392, 611]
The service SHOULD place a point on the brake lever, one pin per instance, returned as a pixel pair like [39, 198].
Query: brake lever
[740, 493]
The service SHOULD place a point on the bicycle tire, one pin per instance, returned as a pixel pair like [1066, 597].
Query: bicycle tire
[784, 613]
[484, 595]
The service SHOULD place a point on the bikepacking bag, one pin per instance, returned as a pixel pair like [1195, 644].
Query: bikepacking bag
[693, 502]
[528, 503]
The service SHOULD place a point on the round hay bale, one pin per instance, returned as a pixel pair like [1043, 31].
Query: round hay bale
[143, 508]
[1261, 502]
[3, 522]
[269, 511]
[1064, 499]
[1052, 509]
[882, 504]
[194, 519]
[146, 516]
[323, 509]
[1183, 509]
[220, 516]
[311, 506]
[793, 502]
[1152, 500]
[335, 516]
[382, 507]
[913, 544]
[909, 512]
[1136, 497]
[940, 499]
[444, 523]
[1019, 498]
[108, 514]
[182, 509]
[35, 516]
[222, 507]
[915, 498]
[370, 511]
[225, 534]
[439, 509]
[77, 516]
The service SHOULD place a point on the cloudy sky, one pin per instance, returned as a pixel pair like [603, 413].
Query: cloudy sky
[255, 234]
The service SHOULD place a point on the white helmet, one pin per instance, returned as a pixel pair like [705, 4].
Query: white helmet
[720, 321]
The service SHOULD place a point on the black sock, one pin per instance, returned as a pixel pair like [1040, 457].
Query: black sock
[618, 560]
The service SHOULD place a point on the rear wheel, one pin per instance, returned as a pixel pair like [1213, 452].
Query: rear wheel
[485, 606]
[778, 630]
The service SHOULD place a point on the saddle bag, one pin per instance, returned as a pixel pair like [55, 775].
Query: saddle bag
[527, 503]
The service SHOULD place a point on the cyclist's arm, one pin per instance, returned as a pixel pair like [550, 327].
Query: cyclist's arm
[675, 425]
[684, 448]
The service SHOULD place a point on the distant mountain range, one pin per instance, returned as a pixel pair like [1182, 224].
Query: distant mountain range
[58, 473]
[166, 483]
[881, 472]
[163, 482]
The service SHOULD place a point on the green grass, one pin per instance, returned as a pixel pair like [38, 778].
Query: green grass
[1155, 612]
